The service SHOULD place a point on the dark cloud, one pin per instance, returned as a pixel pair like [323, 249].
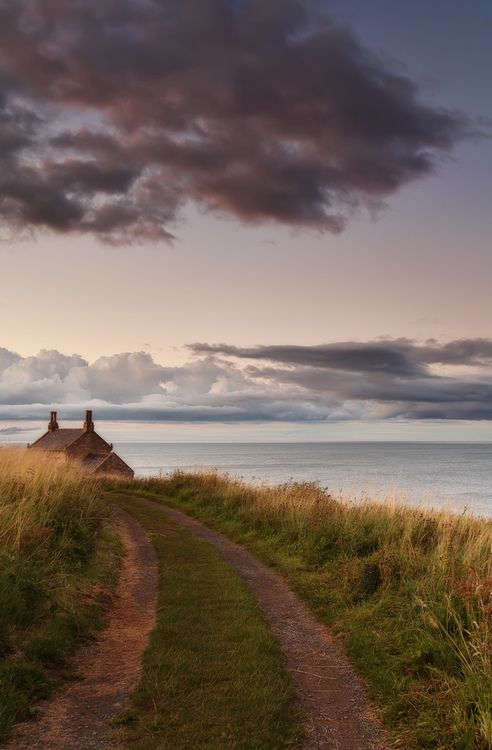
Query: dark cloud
[402, 357]
[266, 110]
[15, 430]
[391, 378]
[379, 357]
[388, 379]
[462, 351]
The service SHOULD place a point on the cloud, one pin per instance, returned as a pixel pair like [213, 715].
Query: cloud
[115, 114]
[385, 379]
[392, 378]
[7, 358]
[15, 430]
[391, 357]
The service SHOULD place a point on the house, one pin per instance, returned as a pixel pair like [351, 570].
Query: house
[85, 446]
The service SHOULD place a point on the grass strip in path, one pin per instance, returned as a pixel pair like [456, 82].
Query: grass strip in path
[213, 674]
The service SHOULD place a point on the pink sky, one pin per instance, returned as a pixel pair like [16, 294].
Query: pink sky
[419, 268]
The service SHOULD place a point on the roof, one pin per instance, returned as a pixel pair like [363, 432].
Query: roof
[58, 440]
[93, 460]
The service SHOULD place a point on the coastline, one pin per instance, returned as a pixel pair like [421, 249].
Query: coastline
[450, 476]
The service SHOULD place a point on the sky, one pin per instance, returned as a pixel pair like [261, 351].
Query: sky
[276, 228]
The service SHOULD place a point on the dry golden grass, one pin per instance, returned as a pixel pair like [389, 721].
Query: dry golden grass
[54, 559]
[34, 490]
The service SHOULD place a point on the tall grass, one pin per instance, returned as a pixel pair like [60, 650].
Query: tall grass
[46, 504]
[409, 589]
[54, 557]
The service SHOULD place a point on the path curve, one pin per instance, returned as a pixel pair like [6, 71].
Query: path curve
[79, 716]
[338, 714]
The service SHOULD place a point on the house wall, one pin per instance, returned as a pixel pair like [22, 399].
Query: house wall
[89, 442]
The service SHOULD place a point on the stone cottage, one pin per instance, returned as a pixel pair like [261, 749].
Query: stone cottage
[85, 446]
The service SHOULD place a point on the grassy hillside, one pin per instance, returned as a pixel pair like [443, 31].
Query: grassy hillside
[408, 590]
[57, 564]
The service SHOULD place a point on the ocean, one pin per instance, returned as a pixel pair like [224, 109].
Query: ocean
[457, 476]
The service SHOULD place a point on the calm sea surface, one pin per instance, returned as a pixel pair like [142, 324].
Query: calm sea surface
[449, 475]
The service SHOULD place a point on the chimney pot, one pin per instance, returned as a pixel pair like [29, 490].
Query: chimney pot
[88, 424]
[53, 424]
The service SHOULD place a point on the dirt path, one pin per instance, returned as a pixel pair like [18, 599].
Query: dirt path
[79, 717]
[332, 698]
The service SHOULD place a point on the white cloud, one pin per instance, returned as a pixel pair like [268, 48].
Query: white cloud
[297, 384]
[119, 378]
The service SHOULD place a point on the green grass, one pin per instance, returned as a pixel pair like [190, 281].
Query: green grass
[58, 564]
[408, 590]
[213, 675]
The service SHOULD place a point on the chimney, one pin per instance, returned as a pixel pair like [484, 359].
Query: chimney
[88, 424]
[53, 424]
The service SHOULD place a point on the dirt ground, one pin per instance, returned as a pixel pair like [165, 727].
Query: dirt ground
[79, 716]
[338, 714]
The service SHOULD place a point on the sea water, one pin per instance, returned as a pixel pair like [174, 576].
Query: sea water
[457, 476]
